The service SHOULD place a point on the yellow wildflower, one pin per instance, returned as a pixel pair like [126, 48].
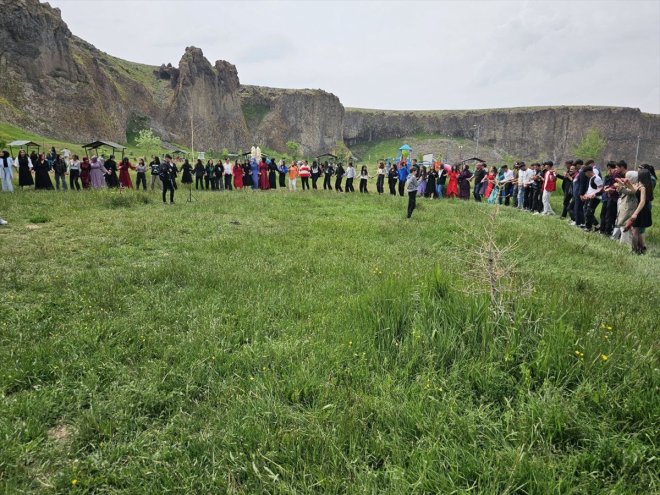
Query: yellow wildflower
[74, 482]
[604, 357]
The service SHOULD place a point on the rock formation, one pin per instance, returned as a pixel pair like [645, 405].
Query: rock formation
[524, 132]
[53, 83]
[312, 118]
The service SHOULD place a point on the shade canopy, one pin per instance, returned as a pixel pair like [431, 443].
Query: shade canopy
[107, 144]
[473, 159]
[22, 144]
[326, 155]
[405, 147]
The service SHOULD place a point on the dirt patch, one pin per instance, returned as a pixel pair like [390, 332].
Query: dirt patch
[32, 226]
[60, 433]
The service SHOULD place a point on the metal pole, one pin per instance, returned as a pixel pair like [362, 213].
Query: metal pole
[637, 151]
[477, 152]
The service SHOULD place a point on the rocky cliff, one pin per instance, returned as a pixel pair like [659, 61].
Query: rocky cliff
[523, 132]
[55, 84]
[313, 118]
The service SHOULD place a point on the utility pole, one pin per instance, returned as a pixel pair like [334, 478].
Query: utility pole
[637, 151]
[477, 127]
[192, 135]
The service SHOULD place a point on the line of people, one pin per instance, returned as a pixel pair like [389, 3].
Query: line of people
[625, 197]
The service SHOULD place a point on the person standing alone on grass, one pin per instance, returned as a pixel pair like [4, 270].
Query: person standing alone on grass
[6, 165]
[411, 187]
[167, 176]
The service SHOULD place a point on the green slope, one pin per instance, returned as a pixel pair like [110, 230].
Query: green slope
[318, 343]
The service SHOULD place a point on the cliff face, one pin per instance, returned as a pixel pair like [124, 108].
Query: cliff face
[56, 84]
[312, 118]
[208, 95]
[523, 132]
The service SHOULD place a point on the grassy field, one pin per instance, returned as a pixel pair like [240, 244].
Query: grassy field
[319, 343]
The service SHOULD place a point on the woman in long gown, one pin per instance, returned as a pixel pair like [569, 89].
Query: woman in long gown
[97, 173]
[25, 166]
[432, 179]
[247, 175]
[490, 182]
[41, 175]
[237, 172]
[187, 168]
[86, 173]
[124, 176]
[111, 175]
[272, 174]
[464, 183]
[452, 186]
[254, 173]
[263, 175]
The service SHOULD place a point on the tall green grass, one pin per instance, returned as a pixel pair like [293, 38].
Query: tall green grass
[317, 343]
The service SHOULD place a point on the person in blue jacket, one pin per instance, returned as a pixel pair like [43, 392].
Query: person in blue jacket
[403, 176]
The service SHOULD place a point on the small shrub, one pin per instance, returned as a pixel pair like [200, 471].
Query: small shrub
[39, 219]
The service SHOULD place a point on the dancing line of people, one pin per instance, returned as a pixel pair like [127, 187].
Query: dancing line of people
[625, 197]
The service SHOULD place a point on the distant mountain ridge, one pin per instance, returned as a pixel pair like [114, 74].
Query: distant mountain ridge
[57, 84]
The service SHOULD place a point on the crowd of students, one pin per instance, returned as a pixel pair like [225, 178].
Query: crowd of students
[625, 196]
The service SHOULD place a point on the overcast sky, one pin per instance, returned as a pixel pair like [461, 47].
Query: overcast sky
[402, 55]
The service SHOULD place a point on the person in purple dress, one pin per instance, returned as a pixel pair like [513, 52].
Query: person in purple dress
[97, 173]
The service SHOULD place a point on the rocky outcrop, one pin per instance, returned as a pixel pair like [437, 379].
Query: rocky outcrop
[312, 118]
[523, 132]
[55, 84]
[209, 96]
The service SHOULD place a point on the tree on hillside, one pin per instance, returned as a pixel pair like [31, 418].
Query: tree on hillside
[591, 146]
[293, 149]
[342, 152]
[147, 140]
[225, 152]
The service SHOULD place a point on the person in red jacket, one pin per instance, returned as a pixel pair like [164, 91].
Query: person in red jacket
[549, 186]
[304, 173]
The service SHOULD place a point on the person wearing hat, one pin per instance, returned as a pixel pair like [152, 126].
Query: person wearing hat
[167, 174]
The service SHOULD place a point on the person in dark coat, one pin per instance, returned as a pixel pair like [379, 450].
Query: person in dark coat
[199, 175]
[464, 183]
[272, 174]
[186, 168]
[25, 166]
[41, 175]
[111, 178]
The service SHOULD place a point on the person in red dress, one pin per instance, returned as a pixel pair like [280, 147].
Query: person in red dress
[124, 177]
[490, 178]
[452, 187]
[86, 173]
[237, 172]
[263, 175]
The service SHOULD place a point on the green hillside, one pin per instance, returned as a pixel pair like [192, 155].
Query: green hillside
[320, 343]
